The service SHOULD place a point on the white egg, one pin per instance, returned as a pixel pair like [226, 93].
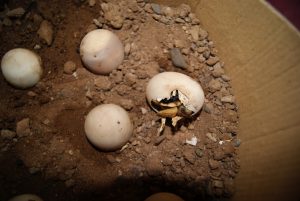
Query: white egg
[163, 84]
[21, 68]
[164, 197]
[101, 51]
[26, 197]
[108, 127]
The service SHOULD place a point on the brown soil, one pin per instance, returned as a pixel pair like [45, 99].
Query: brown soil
[52, 157]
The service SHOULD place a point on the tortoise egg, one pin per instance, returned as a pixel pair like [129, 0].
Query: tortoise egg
[101, 51]
[21, 68]
[108, 127]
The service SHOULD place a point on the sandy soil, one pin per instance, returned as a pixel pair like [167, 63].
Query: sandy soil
[43, 148]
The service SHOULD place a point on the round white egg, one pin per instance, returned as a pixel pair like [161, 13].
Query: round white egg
[108, 127]
[164, 196]
[26, 197]
[101, 51]
[21, 68]
[161, 85]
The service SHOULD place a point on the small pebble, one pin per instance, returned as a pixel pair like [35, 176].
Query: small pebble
[69, 67]
[23, 128]
[237, 142]
[214, 85]
[212, 136]
[144, 110]
[102, 82]
[177, 58]
[92, 3]
[212, 60]
[46, 32]
[127, 104]
[17, 12]
[7, 134]
[228, 99]
[208, 108]
[156, 8]
[213, 164]
[159, 140]
[127, 49]
[199, 152]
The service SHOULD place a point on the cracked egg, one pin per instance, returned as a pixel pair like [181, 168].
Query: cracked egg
[174, 95]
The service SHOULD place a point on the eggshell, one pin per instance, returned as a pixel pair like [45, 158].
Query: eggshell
[21, 68]
[162, 84]
[26, 197]
[108, 127]
[164, 197]
[101, 51]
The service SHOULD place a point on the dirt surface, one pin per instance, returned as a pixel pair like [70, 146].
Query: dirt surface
[43, 148]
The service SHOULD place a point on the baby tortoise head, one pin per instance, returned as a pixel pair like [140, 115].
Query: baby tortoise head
[171, 107]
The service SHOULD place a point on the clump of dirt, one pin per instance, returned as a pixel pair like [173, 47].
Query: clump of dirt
[43, 148]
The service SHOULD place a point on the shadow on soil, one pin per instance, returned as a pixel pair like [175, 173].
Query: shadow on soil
[15, 179]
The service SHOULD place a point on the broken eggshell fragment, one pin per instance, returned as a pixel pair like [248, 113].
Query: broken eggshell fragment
[101, 51]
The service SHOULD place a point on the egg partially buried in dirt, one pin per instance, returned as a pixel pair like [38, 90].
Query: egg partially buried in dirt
[108, 127]
[101, 51]
[26, 197]
[164, 197]
[21, 68]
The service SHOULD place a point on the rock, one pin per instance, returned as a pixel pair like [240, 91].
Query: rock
[230, 116]
[218, 70]
[127, 49]
[179, 20]
[184, 10]
[7, 22]
[199, 152]
[177, 58]
[237, 142]
[213, 164]
[217, 184]
[153, 165]
[34, 170]
[179, 43]
[203, 34]
[46, 32]
[212, 60]
[17, 12]
[228, 149]
[219, 154]
[7, 134]
[144, 110]
[130, 78]
[69, 67]
[127, 104]
[113, 14]
[167, 11]
[23, 128]
[103, 83]
[92, 3]
[189, 155]
[212, 136]
[156, 8]
[159, 140]
[214, 85]
[228, 99]
[111, 159]
[208, 108]
[225, 78]
[195, 33]
[206, 54]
